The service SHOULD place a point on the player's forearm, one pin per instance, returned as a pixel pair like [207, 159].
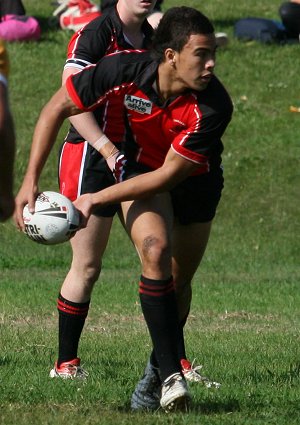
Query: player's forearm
[139, 187]
[174, 170]
[46, 130]
[88, 128]
[44, 137]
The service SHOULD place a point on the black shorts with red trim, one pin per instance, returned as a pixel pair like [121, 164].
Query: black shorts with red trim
[83, 170]
[194, 200]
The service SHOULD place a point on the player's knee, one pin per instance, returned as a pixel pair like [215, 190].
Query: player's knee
[156, 251]
[88, 271]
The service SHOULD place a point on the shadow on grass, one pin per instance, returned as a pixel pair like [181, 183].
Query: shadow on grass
[203, 407]
[211, 407]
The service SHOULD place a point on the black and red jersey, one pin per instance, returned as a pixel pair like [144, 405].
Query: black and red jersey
[100, 37]
[191, 124]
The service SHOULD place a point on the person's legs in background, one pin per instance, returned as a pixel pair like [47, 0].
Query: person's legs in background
[290, 17]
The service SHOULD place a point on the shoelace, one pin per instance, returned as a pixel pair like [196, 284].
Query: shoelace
[207, 382]
[76, 371]
[80, 371]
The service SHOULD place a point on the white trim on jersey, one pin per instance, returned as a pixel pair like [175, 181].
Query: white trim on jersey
[76, 63]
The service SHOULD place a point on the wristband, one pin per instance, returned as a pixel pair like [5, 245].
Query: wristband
[100, 142]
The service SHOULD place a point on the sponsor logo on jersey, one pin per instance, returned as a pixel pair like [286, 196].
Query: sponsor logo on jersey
[138, 104]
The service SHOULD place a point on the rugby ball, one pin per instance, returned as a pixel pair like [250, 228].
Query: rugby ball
[54, 221]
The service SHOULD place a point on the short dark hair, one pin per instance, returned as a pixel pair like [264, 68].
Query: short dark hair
[175, 28]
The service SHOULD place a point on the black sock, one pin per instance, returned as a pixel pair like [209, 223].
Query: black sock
[159, 307]
[71, 321]
[180, 346]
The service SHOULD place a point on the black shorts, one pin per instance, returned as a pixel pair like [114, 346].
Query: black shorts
[194, 200]
[83, 170]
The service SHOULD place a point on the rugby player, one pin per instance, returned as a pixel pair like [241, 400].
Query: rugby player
[176, 112]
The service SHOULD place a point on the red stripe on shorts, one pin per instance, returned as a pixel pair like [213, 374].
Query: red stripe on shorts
[71, 166]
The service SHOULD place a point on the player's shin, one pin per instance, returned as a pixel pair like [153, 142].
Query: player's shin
[158, 303]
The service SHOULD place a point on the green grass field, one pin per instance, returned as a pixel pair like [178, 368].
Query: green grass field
[245, 316]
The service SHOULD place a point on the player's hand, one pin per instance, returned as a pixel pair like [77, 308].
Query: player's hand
[7, 206]
[27, 195]
[84, 205]
[116, 164]
[118, 169]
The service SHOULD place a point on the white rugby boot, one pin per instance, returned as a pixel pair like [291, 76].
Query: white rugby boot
[69, 370]
[175, 394]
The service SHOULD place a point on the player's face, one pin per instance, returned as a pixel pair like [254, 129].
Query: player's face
[196, 61]
[140, 7]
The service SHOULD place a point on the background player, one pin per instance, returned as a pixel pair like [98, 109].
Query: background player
[153, 18]
[83, 169]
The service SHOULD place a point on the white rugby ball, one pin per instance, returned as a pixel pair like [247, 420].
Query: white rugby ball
[54, 221]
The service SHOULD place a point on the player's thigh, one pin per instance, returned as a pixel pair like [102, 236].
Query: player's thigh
[149, 222]
[188, 247]
[89, 244]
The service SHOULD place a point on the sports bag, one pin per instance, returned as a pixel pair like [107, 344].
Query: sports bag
[260, 29]
[19, 28]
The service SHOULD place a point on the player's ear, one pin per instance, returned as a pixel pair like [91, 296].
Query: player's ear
[170, 56]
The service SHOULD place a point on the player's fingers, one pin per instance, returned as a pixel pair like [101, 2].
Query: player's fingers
[18, 218]
[31, 202]
[18, 215]
[83, 220]
[21, 201]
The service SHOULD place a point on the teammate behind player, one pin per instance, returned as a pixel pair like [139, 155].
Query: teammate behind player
[82, 169]
[176, 114]
[153, 18]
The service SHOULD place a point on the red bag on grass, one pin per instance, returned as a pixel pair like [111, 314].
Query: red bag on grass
[74, 14]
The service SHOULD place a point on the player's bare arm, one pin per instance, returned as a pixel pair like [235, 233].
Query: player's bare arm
[50, 120]
[87, 126]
